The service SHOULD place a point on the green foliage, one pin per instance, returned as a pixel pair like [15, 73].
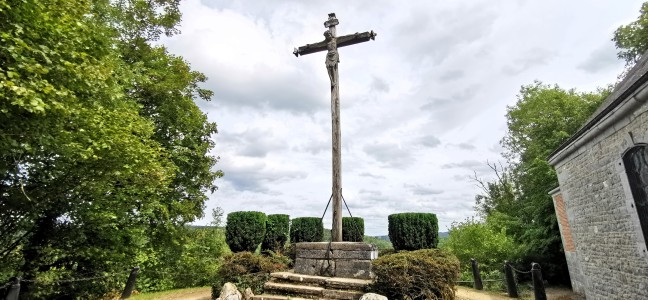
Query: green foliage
[413, 231]
[306, 229]
[248, 270]
[488, 246]
[202, 250]
[352, 229]
[379, 243]
[277, 230]
[517, 200]
[632, 39]
[245, 230]
[421, 274]
[103, 152]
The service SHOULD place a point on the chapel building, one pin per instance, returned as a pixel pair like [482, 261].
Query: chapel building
[602, 201]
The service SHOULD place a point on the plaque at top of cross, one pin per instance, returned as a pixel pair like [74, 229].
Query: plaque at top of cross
[330, 44]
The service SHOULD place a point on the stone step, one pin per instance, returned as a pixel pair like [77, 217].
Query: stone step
[295, 289]
[301, 278]
[275, 297]
[342, 294]
[328, 282]
[347, 283]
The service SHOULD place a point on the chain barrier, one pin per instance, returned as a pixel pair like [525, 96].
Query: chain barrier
[521, 272]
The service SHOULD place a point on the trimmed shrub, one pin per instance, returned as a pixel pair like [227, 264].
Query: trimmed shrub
[276, 234]
[245, 230]
[413, 231]
[352, 229]
[421, 274]
[307, 229]
[248, 270]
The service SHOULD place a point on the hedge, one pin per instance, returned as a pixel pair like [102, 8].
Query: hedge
[413, 231]
[276, 235]
[421, 274]
[245, 230]
[306, 229]
[352, 229]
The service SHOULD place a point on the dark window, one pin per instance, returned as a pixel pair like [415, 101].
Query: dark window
[636, 165]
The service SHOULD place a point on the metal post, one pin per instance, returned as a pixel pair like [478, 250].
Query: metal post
[130, 283]
[510, 280]
[538, 284]
[476, 275]
[14, 289]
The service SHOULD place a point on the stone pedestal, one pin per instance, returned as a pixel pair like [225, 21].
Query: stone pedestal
[337, 259]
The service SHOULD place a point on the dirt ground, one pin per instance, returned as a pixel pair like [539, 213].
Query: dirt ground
[193, 295]
[553, 293]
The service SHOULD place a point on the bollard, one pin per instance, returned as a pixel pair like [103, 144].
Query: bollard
[478, 285]
[538, 284]
[130, 283]
[14, 289]
[510, 280]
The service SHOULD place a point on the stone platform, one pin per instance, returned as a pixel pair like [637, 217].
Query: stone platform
[336, 259]
[292, 286]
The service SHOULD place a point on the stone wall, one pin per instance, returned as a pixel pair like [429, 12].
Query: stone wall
[338, 259]
[609, 259]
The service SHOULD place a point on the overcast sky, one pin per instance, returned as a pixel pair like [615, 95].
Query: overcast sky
[422, 107]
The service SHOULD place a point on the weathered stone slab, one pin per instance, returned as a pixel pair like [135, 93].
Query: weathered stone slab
[293, 289]
[289, 276]
[348, 246]
[335, 254]
[347, 283]
[277, 297]
[340, 294]
[319, 267]
[353, 268]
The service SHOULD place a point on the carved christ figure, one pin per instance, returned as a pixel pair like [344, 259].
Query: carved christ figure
[332, 57]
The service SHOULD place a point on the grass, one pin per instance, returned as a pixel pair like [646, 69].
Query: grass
[166, 294]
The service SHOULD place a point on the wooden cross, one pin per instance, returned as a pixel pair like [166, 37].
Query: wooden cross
[330, 44]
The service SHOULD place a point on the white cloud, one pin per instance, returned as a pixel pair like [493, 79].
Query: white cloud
[422, 106]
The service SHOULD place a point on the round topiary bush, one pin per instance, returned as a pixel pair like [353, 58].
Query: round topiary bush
[306, 229]
[421, 274]
[245, 230]
[413, 231]
[352, 229]
[276, 234]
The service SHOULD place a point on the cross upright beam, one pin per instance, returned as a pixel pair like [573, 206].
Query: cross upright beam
[330, 44]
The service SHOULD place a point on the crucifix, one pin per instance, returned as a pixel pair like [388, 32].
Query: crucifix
[330, 44]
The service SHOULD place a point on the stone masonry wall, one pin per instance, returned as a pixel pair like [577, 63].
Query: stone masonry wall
[609, 261]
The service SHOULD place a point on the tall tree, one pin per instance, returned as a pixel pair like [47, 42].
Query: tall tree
[543, 117]
[104, 156]
[632, 39]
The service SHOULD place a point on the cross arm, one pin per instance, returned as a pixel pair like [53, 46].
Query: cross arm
[345, 40]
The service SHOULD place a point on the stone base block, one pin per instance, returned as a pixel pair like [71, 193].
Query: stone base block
[338, 259]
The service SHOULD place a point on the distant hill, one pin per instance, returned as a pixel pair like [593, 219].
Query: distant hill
[386, 237]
